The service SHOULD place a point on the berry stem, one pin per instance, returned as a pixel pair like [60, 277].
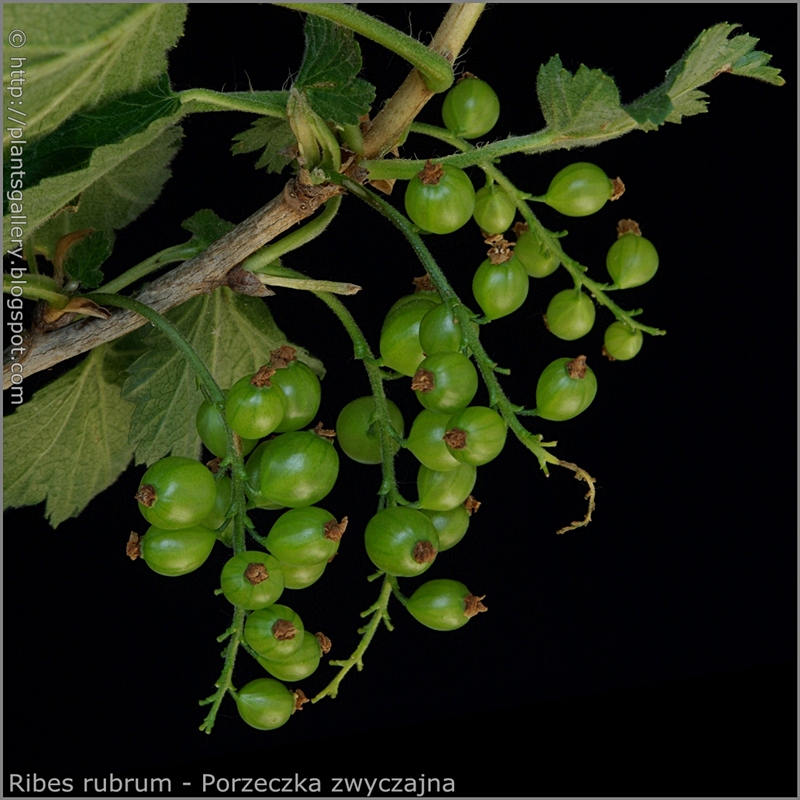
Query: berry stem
[233, 459]
[225, 684]
[171, 332]
[575, 269]
[485, 364]
[396, 590]
[379, 612]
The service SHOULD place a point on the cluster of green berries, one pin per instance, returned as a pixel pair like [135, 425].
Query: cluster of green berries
[190, 507]
[441, 199]
[422, 340]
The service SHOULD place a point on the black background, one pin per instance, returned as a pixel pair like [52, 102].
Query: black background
[650, 653]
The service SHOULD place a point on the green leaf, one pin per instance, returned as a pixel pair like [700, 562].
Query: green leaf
[121, 181]
[273, 135]
[577, 105]
[754, 65]
[69, 442]
[86, 257]
[691, 103]
[81, 54]
[586, 106]
[232, 333]
[69, 148]
[328, 74]
[652, 109]
[711, 54]
[207, 227]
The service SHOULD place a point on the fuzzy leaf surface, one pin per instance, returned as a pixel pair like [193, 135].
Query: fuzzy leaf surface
[69, 148]
[69, 442]
[85, 259]
[81, 54]
[328, 75]
[711, 54]
[232, 333]
[120, 182]
[578, 105]
[270, 134]
[585, 107]
[207, 227]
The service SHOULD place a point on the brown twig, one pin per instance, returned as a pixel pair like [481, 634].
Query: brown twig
[412, 95]
[200, 275]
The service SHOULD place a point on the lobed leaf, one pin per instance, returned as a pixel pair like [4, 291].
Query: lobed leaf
[81, 54]
[85, 259]
[328, 74]
[232, 333]
[274, 136]
[579, 104]
[586, 105]
[711, 54]
[69, 442]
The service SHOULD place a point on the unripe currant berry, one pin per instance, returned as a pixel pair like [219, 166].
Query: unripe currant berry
[444, 605]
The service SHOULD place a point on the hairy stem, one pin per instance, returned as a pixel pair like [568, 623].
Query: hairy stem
[541, 142]
[270, 104]
[436, 71]
[225, 682]
[171, 332]
[379, 611]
